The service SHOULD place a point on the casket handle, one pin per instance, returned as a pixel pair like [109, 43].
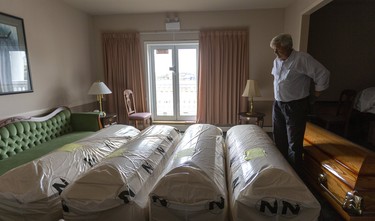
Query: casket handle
[352, 203]
[323, 182]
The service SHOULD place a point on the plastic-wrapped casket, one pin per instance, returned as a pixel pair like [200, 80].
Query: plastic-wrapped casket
[193, 185]
[261, 183]
[118, 187]
[31, 191]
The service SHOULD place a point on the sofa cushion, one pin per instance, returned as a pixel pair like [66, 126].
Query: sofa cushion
[86, 121]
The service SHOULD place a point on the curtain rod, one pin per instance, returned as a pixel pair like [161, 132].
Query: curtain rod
[168, 32]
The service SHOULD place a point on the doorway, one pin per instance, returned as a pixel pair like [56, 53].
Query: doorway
[173, 80]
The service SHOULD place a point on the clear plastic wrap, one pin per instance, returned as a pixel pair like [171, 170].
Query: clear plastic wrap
[261, 183]
[365, 100]
[118, 187]
[193, 185]
[32, 191]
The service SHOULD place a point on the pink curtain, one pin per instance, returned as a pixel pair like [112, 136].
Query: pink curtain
[223, 71]
[123, 70]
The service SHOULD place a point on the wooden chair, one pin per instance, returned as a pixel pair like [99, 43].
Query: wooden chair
[342, 116]
[133, 115]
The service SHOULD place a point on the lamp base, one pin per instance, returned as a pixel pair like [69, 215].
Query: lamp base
[251, 108]
[102, 114]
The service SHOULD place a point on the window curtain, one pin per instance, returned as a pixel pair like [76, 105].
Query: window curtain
[223, 71]
[123, 70]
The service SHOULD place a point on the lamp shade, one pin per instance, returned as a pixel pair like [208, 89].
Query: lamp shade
[251, 89]
[99, 88]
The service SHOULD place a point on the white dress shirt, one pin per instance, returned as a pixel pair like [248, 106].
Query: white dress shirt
[292, 77]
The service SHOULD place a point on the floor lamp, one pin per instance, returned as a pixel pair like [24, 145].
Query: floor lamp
[99, 89]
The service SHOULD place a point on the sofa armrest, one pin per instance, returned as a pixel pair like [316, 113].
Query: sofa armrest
[86, 121]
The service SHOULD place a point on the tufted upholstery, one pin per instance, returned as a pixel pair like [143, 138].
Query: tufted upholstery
[19, 136]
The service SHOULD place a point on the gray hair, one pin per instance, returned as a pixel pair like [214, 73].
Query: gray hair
[284, 40]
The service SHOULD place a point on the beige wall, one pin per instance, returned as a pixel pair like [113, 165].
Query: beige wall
[59, 47]
[262, 24]
[297, 20]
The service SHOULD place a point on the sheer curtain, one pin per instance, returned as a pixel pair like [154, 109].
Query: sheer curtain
[123, 70]
[224, 69]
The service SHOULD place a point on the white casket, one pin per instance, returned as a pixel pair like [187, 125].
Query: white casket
[118, 187]
[193, 185]
[261, 183]
[32, 191]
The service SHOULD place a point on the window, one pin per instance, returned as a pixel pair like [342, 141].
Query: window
[173, 78]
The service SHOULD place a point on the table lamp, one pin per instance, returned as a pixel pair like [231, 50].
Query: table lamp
[251, 90]
[99, 89]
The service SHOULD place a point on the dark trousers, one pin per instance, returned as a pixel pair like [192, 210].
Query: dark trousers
[289, 122]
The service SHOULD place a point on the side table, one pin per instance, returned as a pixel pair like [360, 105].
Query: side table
[251, 118]
[108, 120]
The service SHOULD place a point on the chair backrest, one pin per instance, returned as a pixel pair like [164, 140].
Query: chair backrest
[129, 102]
[346, 102]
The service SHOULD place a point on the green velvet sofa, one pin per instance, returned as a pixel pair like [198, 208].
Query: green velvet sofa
[25, 139]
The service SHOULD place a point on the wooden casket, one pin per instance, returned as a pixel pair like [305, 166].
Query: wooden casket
[341, 171]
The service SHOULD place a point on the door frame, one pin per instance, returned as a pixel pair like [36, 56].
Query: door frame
[151, 76]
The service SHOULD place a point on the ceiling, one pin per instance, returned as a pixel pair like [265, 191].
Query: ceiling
[110, 7]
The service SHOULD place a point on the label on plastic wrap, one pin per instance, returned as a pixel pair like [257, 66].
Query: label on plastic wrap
[254, 153]
[272, 206]
[116, 153]
[70, 147]
[188, 152]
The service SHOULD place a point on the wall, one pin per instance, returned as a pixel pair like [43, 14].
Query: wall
[297, 20]
[348, 49]
[262, 24]
[350, 67]
[59, 47]
[332, 41]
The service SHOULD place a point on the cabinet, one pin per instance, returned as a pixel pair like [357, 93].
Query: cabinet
[251, 118]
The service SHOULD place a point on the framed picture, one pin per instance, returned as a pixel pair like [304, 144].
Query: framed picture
[15, 74]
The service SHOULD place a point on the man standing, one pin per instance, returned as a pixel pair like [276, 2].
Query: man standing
[293, 72]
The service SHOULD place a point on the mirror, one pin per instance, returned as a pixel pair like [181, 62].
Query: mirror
[14, 62]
